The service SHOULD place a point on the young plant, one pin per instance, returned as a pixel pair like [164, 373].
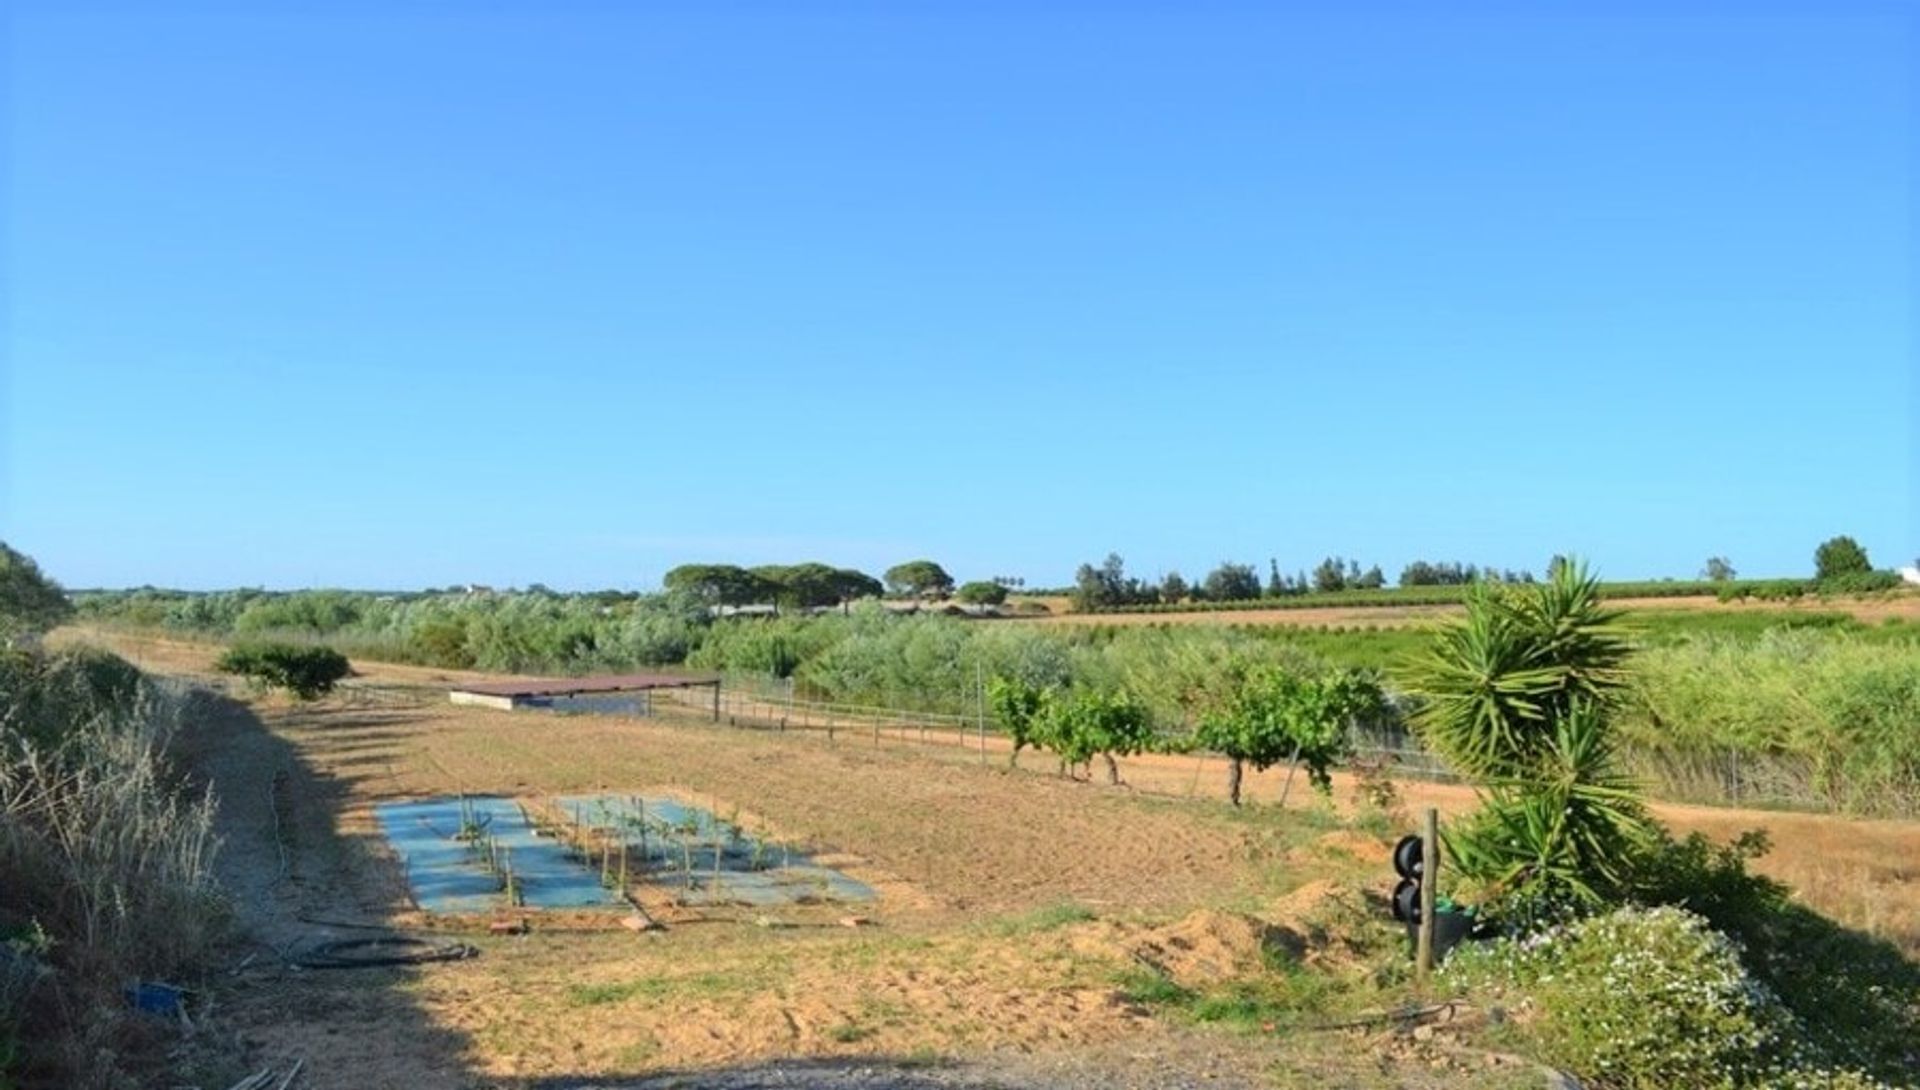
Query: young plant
[1091, 723]
[1019, 708]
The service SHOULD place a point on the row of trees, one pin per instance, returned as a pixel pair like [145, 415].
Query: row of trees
[789, 586]
[1422, 573]
[814, 585]
[1108, 586]
[1265, 713]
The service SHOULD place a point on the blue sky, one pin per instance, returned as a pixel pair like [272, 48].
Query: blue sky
[410, 294]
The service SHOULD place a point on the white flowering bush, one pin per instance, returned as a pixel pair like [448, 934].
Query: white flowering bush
[1644, 999]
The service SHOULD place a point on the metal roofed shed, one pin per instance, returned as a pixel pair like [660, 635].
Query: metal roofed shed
[608, 694]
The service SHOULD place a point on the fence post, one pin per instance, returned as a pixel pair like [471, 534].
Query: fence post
[1429, 878]
[980, 707]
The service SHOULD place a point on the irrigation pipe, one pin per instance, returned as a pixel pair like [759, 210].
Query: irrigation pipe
[1416, 1014]
[324, 922]
[381, 952]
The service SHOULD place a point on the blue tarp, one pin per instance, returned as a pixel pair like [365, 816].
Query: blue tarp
[751, 871]
[447, 874]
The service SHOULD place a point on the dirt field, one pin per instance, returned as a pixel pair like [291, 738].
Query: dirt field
[1013, 906]
[1865, 873]
[1872, 610]
[1010, 904]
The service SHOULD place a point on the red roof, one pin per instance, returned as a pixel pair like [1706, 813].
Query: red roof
[568, 686]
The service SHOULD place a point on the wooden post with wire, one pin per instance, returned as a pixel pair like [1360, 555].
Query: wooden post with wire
[1429, 878]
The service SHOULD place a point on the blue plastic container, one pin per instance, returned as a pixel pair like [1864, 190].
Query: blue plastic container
[153, 998]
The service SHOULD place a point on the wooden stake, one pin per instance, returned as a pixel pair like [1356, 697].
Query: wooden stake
[1429, 878]
[1293, 764]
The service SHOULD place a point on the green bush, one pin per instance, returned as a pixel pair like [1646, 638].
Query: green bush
[1868, 582]
[306, 672]
[1644, 999]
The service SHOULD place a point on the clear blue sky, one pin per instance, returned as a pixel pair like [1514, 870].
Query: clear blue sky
[400, 294]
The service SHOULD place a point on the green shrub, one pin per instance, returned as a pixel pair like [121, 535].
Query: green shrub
[1867, 582]
[1856, 997]
[306, 672]
[1643, 999]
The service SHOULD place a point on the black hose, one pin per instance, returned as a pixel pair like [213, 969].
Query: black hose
[383, 951]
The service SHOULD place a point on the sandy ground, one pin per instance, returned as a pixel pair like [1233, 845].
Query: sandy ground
[1865, 873]
[972, 964]
[970, 975]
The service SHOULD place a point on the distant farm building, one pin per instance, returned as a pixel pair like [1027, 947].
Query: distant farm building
[1911, 574]
[613, 694]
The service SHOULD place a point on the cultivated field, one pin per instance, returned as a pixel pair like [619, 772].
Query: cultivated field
[1017, 909]
[1872, 610]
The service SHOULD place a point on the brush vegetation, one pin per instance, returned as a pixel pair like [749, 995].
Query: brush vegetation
[106, 863]
[1773, 707]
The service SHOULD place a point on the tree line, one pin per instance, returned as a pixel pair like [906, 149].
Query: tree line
[814, 585]
[1108, 586]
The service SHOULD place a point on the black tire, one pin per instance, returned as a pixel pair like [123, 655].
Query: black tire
[1406, 857]
[1406, 901]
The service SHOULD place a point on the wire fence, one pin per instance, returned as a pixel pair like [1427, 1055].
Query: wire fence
[353, 694]
[784, 713]
[1721, 777]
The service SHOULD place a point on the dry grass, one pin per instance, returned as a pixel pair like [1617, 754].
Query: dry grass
[106, 864]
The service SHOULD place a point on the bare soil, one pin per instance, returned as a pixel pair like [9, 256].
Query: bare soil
[970, 959]
[1012, 902]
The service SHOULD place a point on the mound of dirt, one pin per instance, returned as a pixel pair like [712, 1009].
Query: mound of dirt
[1324, 917]
[1209, 945]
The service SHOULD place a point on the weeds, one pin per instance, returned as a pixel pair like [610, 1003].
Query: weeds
[107, 864]
[1050, 918]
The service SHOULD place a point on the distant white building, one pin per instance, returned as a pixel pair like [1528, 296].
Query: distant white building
[1911, 573]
